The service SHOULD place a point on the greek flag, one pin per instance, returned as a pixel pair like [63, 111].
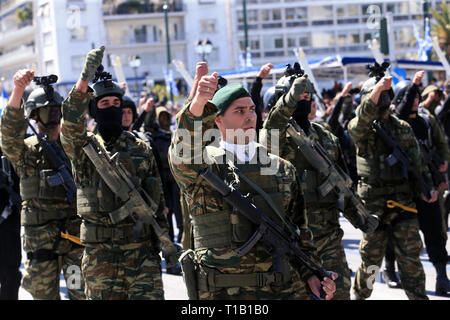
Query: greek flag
[424, 44]
[170, 82]
[245, 61]
[3, 100]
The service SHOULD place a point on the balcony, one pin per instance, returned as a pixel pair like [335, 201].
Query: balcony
[24, 34]
[111, 8]
[21, 56]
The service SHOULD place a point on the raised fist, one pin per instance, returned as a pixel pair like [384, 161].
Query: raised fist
[300, 85]
[23, 78]
[207, 87]
[93, 61]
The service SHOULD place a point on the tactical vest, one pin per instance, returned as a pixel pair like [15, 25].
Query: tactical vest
[96, 201]
[227, 228]
[372, 166]
[36, 187]
[310, 179]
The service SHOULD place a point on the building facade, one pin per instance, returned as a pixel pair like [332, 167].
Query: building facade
[53, 36]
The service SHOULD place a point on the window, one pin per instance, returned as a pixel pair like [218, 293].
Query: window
[291, 42]
[50, 67]
[322, 39]
[303, 41]
[78, 34]
[354, 38]
[47, 39]
[273, 42]
[77, 62]
[208, 26]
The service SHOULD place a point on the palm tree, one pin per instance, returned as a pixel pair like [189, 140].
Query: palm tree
[441, 29]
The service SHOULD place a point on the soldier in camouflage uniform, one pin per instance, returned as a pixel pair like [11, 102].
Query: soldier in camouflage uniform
[379, 183]
[322, 212]
[217, 229]
[45, 211]
[117, 264]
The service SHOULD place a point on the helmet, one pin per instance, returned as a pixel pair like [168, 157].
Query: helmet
[127, 102]
[269, 98]
[107, 88]
[39, 98]
[400, 91]
[103, 87]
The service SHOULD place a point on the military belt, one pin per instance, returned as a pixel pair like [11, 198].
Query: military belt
[315, 215]
[211, 280]
[92, 233]
[386, 190]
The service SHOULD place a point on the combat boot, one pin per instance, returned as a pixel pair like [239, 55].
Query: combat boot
[391, 279]
[442, 282]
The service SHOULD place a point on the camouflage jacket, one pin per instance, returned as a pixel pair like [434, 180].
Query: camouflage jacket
[370, 148]
[29, 162]
[278, 118]
[138, 160]
[201, 199]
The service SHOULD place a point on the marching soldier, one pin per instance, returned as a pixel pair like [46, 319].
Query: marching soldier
[436, 154]
[121, 259]
[383, 183]
[218, 230]
[48, 211]
[322, 210]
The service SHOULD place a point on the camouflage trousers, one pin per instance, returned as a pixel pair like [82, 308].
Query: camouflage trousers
[407, 245]
[117, 274]
[327, 236]
[41, 278]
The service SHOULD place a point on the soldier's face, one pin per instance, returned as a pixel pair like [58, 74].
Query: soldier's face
[110, 101]
[127, 117]
[238, 123]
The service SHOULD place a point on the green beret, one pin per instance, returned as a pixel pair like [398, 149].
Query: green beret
[225, 96]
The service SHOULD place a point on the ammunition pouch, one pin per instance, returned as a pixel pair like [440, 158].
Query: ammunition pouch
[32, 216]
[189, 267]
[36, 187]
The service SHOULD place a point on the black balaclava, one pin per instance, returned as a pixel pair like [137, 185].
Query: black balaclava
[301, 113]
[109, 122]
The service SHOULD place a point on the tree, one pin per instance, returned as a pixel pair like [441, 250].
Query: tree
[441, 29]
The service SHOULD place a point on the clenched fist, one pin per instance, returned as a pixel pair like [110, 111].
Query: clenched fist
[301, 85]
[93, 61]
[23, 78]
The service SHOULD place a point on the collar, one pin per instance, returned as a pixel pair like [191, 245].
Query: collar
[244, 152]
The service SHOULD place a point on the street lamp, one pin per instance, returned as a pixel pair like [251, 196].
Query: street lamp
[203, 48]
[135, 63]
[169, 57]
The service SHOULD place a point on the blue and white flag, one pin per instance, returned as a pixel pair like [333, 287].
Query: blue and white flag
[424, 44]
[248, 60]
[170, 82]
[3, 101]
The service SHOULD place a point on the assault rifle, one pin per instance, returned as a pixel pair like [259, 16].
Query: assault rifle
[336, 179]
[57, 158]
[399, 156]
[118, 179]
[280, 242]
